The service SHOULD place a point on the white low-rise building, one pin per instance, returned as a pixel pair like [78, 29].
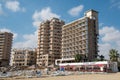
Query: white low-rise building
[100, 66]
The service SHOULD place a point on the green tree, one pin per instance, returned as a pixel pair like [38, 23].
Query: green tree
[113, 54]
[101, 57]
[78, 57]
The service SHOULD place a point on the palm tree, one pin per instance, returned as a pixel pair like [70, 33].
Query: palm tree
[113, 54]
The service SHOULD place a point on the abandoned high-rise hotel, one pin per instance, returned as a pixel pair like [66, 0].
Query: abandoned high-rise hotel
[81, 37]
[49, 42]
[5, 47]
[60, 42]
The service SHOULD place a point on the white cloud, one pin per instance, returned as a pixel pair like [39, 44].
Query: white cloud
[101, 24]
[1, 10]
[44, 14]
[110, 39]
[115, 3]
[76, 10]
[30, 41]
[14, 6]
[36, 23]
[8, 30]
[109, 34]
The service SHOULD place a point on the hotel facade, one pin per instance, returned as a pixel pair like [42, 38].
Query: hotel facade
[49, 42]
[23, 57]
[5, 47]
[81, 37]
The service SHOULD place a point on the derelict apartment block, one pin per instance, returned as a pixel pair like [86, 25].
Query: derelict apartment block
[81, 37]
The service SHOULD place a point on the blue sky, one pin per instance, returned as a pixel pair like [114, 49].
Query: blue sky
[21, 17]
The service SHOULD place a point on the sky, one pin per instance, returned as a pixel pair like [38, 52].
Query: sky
[22, 18]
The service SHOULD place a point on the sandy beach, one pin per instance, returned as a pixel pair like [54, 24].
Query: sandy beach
[108, 76]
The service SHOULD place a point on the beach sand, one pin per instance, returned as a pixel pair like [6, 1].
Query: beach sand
[109, 76]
